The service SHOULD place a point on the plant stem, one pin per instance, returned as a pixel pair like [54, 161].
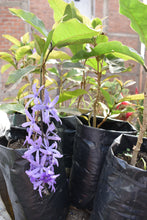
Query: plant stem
[98, 93]
[99, 125]
[143, 127]
[42, 79]
[83, 86]
[61, 83]
[43, 71]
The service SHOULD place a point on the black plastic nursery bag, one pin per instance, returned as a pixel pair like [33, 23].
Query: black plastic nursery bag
[17, 119]
[67, 131]
[90, 147]
[27, 203]
[122, 188]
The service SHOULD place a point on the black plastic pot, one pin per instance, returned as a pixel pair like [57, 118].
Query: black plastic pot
[5, 197]
[90, 148]
[67, 132]
[122, 188]
[27, 203]
[17, 119]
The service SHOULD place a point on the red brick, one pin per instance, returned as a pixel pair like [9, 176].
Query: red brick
[116, 22]
[43, 11]
[99, 8]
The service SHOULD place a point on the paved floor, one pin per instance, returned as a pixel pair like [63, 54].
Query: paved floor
[3, 213]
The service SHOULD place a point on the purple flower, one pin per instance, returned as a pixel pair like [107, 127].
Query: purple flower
[47, 108]
[33, 127]
[50, 134]
[42, 153]
[35, 147]
[52, 154]
[35, 96]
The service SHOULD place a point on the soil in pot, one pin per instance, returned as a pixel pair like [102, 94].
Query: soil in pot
[141, 158]
[77, 214]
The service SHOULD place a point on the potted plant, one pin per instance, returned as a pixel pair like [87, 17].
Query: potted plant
[100, 55]
[121, 191]
[103, 53]
[42, 154]
[63, 34]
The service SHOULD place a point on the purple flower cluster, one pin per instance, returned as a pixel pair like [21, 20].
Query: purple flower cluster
[42, 153]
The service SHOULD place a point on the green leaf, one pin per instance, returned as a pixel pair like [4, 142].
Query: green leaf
[74, 72]
[25, 38]
[49, 81]
[5, 67]
[19, 74]
[114, 47]
[31, 19]
[109, 78]
[71, 94]
[101, 39]
[70, 65]
[47, 42]
[144, 163]
[59, 55]
[22, 51]
[95, 22]
[75, 48]
[39, 44]
[59, 7]
[35, 56]
[129, 83]
[12, 39]
[91, 80]
[54, 71]
[108, 98]
[115, 64]
[7, 57]
[72, 12]
[92, 62]
[133, 97]
[72, 32]
[119, 82]
[21, 90]
[105, 109]
[9, 108]
[75, 79]
[136, 11]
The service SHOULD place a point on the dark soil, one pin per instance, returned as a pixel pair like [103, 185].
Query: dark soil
[142, 156]
[16, 144]
[77, 214]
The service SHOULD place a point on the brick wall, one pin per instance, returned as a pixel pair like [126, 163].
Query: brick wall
[43, 11]
[11, 25]
[116, 26]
